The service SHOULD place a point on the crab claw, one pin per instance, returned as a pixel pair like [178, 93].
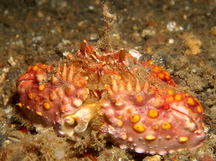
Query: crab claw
[76, 123]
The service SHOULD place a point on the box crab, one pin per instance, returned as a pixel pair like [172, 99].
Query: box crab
[137, 103]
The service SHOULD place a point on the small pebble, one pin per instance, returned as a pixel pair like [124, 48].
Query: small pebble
[171, 41]
[91, 8]
[213, 31]
[11, 61]
[172, 26]
[37, 39]
[40, 14]
[94, 36]
[148, 32]
[152, 158]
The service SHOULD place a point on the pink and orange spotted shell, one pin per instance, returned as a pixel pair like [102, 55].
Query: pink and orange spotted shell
[136, 103]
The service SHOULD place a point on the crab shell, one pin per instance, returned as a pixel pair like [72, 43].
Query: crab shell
[136, 103]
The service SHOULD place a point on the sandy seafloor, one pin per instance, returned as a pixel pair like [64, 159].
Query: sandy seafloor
[177, 35]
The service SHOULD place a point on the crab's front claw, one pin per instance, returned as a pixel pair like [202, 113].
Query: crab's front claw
[76, 123]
